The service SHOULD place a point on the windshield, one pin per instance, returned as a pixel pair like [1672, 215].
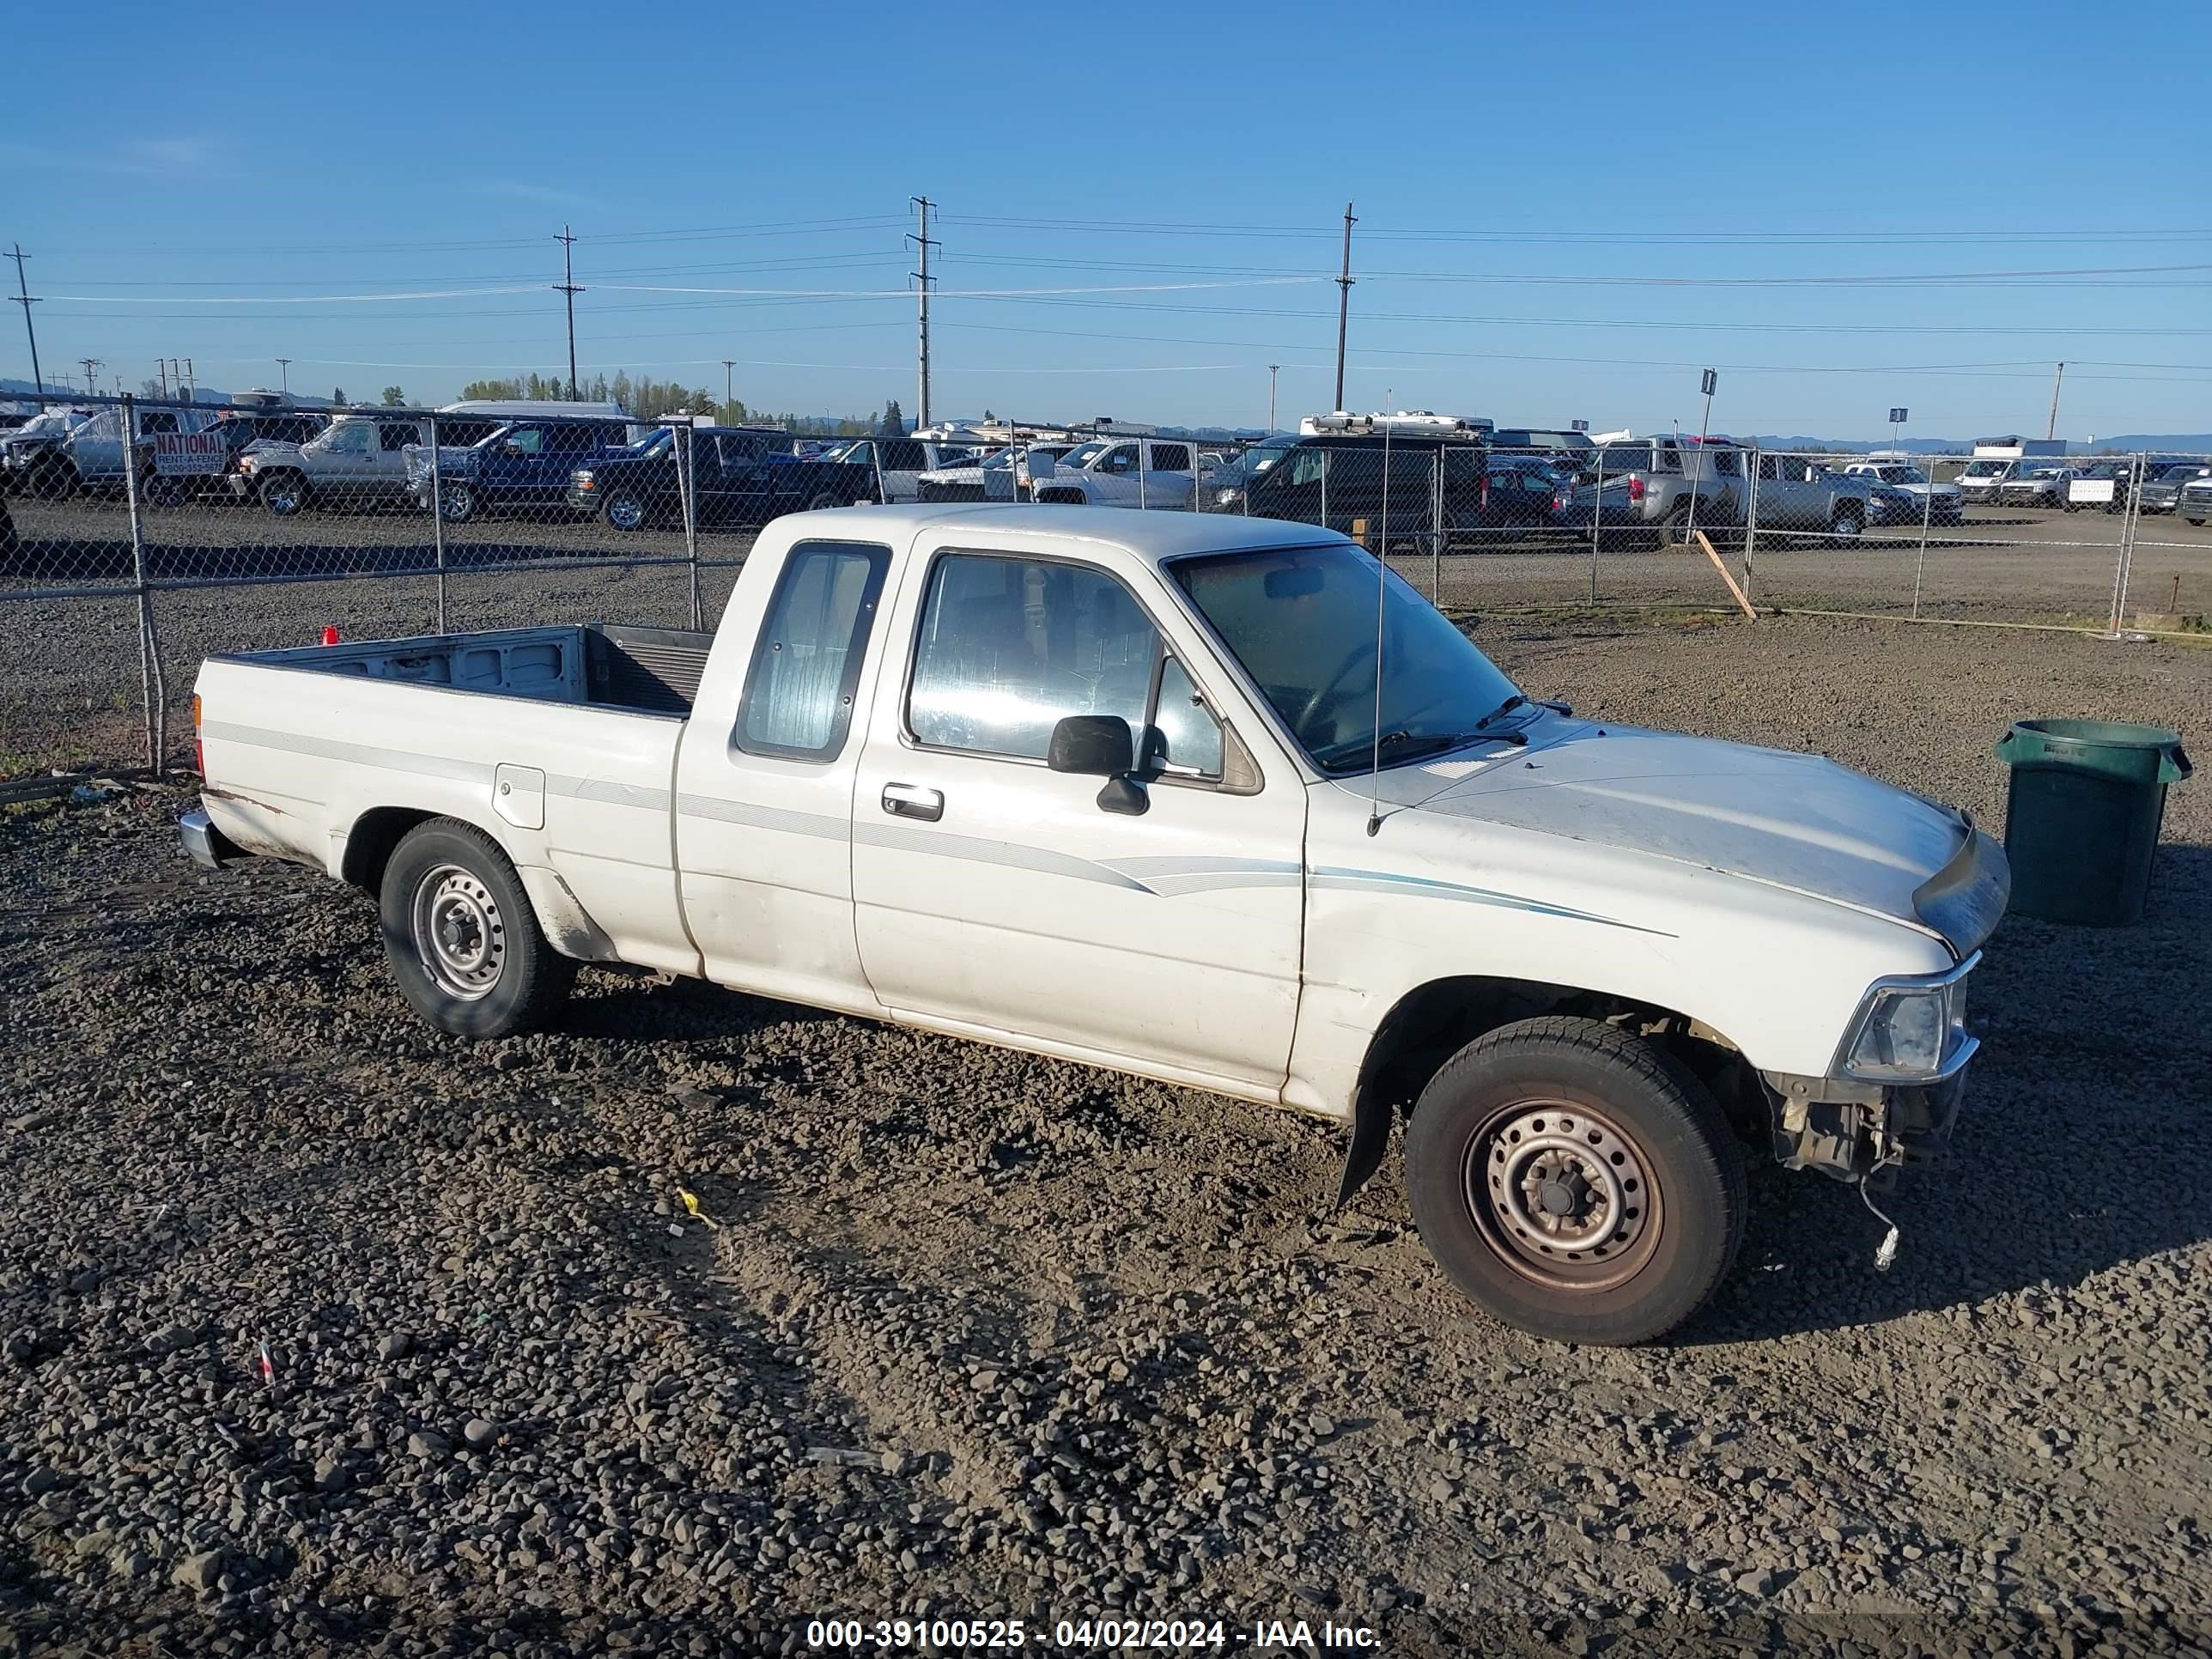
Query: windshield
[1985, 469]
[1301, 620]
[1084, 455]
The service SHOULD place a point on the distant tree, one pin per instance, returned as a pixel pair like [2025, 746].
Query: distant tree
[989, 416]
[337, 395]
[150, 387]
[894, 423]
[476, 389]
[394, 397]
[600, 389]
[625, 392]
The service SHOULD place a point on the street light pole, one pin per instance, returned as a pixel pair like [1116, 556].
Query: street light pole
[1272, 367]
[284, 376]
[729, 393]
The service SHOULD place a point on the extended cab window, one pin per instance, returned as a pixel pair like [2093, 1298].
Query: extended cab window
[1171, 458]
[394, 438]
[798, 702]
[1010, 647]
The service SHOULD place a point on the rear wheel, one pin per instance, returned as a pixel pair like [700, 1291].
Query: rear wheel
[1576, 1182]
[462, 938]
[823, 501]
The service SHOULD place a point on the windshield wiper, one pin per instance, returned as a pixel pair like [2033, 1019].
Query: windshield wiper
[1499, 712]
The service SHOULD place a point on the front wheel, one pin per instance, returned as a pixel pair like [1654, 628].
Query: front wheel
[283, 494]
[1576, 1182]
[1847, 525]
[625, 510]
[456, 502]
[462, 938]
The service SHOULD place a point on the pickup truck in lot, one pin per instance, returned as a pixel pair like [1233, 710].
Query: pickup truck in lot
[738, 476]
[1112, 787]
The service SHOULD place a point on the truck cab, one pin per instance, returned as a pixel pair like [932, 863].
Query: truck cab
[1144, 472]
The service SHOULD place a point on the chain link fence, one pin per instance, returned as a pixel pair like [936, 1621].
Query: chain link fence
[142, 535]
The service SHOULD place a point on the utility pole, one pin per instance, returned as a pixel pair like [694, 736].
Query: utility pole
[188, 382]
[921, 239]
[1343, 303]
[284, 376]
[162, 367]
[729, 393]
[23, 299]
[1272, 367]
[91, 378]
[2057, 380]
[566, 285]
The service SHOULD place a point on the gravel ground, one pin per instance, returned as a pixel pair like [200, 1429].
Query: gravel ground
[955, 1331]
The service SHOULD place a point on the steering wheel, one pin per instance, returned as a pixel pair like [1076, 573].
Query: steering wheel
[1321, 698]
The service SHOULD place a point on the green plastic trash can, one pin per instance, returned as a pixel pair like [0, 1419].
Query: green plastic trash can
[2082, 818]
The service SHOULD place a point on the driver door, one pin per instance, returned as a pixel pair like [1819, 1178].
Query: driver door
[996, 897]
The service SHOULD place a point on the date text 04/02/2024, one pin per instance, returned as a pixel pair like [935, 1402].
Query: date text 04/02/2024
[1086, 1635]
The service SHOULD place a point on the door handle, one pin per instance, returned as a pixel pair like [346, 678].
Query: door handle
[908, 800]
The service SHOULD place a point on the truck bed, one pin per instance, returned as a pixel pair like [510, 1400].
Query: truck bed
[651, 670]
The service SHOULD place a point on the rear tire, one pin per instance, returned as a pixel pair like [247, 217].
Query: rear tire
[462, 938]
[824, 501]
[1576, 1182]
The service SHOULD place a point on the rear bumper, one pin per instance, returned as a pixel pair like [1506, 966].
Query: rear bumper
[209, 846]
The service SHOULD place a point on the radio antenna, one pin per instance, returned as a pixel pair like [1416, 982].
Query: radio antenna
[1382, 576]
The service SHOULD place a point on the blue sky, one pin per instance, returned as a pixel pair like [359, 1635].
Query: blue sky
[1561, 214]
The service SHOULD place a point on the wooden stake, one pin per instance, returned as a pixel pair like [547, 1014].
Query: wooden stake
[1706, 542]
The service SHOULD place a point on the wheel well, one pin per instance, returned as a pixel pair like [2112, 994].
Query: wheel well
[1433, 1022]
[369, 847]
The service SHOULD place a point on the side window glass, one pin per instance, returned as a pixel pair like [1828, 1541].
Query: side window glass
[1171, 458]
[799, 693]
[1185, 736]
[526, 440]
[352, 439]
[1123, 458]
[393, 437]
[1307, 468]
[1010, 647]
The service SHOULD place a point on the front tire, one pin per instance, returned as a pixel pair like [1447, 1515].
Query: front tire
[1576, 1182]
[456, 502]
[283, 494]
[1847, 525]
[462, 938]
[625, 510]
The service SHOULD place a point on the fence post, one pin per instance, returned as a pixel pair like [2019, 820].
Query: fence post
[1597, 521]
[1325, 454]
[688, 489]
[151, 685]
[2127, 547]
[1927, 515]
[1143, 465]
[1750, 514]
[1437, 528]
[876, 461]
[438, 519]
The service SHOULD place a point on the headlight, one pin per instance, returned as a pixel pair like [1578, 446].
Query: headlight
[1911, 1030]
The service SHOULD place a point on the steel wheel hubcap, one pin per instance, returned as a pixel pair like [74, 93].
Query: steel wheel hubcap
[624, 513]
[1562, 1196]
[459, 935]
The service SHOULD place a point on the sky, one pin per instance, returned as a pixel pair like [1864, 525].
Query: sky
[1561, 214]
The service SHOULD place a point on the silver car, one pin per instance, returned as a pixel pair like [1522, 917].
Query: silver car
[2037, 486]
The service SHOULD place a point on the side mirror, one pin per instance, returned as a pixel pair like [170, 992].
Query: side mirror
[1093, 745]
[1101, 746]
[514, 450]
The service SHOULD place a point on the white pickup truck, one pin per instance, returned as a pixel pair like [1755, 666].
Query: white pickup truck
[1111, 787]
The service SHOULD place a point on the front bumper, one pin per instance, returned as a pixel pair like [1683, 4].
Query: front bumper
[209, 846]
[1862, 1131]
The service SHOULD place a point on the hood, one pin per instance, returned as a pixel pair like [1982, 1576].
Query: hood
[1800, 822]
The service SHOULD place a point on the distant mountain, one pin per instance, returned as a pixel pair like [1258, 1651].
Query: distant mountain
[2184, 443]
